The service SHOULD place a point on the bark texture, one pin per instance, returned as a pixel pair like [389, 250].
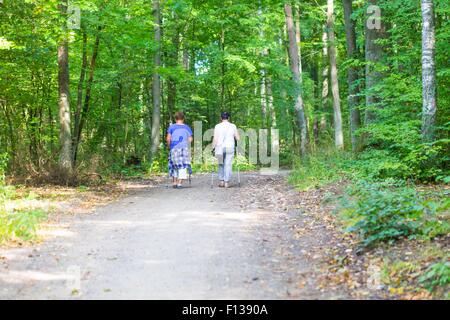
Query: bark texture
[352, 75]
[374, 31]
[65, 135]
[338, 131]
[429, 108]
[295, 67]
[156, 87]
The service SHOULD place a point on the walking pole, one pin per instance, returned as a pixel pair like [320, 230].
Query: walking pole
[238, 169]
[212, 175]
[212, 178]
[239, 176]
[168, 181]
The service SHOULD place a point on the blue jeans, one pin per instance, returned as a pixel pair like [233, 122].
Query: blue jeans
[226, 165]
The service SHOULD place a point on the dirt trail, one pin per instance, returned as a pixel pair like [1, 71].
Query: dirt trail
[159, 243]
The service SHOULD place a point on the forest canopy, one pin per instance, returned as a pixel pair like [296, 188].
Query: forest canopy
[92, 85]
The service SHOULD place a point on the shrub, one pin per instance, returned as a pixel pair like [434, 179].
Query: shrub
[319, 169]
[395, 150]
[3, 164]
[210, 164]
[387, 211]
[437, 275]
[20, 225]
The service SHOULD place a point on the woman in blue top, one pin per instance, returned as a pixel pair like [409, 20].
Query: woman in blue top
[179, 139]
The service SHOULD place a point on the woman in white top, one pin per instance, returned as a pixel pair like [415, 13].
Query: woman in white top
[225, 135]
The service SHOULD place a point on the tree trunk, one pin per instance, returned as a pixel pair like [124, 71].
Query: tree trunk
[263, 84]
[317, 97]
[222, 71]
[186, 62]
[263, 96]
[87, 98]
[338, 131]
[374, 54]
[270, 105]
[65, 135]
[11, 131]
[352, 75]
[80, 95]
[156, 87]
[173, 62]
[171, 98]
[295, 67]
[298, 37]
[429, 108]
[324, 83]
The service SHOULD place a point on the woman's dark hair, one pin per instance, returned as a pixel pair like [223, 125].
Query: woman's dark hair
[179, 116]
[225, 116]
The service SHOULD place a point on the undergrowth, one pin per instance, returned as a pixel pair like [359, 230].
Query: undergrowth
[391, 196]
[16, 225]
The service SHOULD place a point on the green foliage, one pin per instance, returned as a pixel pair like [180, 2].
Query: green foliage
[389, 210]
[210, 164]
[213, 77]
[20, 225]
[3, 164]
[396, 151]
[82, 189]
[379, 164]
[160, 164]
[437, 275]
[319, 169]
[4, 190]
[17, 224]
[122, 171]
[243, 164]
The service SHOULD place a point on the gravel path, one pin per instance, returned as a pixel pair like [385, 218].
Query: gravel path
[159, 243]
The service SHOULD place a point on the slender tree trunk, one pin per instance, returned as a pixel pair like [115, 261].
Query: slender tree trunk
[295, 67]
[270, 105]
[125, 143]
[171, 81]
[298, 37]
[316, 132]
[263, 95]
[223, 70]
[374, 31]
[12, 140]
[186, 60]
[171, 98]
[352, 75]
[338, 131]
[119, 95]
[65, 136]
[317, 97]
[263, 84]
[192, 58]
[156, 87]
[429, 108]
[51, 124]
[80, 96]
[324, 83]
[87, 98]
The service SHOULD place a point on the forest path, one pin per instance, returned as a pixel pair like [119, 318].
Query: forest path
[160, 243]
